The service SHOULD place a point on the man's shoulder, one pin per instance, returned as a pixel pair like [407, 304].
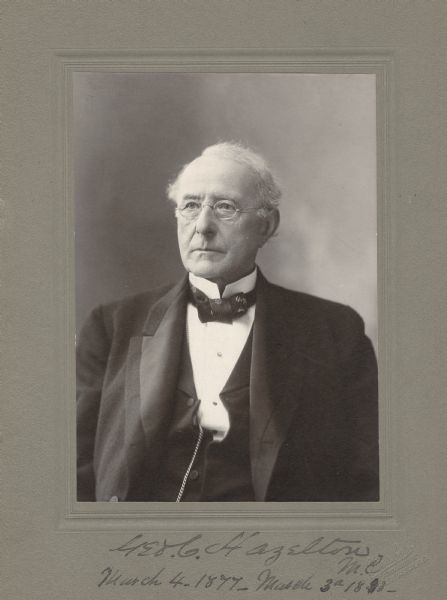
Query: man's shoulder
[136, 302]
[127, 314]
[325, 324]
[293, 300]
[298, 309]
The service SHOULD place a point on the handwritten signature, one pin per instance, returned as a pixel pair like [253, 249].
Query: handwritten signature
[249, 544]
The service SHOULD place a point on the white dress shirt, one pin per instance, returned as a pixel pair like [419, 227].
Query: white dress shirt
[214, 349]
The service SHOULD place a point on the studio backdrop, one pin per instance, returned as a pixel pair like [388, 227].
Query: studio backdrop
[132, 132]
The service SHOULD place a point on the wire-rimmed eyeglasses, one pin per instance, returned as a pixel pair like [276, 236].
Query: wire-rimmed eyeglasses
[224, 210]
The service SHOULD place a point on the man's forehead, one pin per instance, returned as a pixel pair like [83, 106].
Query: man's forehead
[219, 173]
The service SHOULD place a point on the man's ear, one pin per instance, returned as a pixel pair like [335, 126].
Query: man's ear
[270, 224]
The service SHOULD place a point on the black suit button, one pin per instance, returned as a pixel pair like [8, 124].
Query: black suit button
[190, 402]
[194, 475]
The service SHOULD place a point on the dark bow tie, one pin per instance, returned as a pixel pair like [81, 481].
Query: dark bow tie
[223, 310]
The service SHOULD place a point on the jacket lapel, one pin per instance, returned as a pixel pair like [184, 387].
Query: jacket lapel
[279, 339]
[151, 379]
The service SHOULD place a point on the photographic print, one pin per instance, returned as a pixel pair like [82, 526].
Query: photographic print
[226, 287]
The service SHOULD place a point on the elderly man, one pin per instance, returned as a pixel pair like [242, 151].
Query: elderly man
[225, 387]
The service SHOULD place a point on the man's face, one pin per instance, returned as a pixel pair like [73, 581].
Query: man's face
[221, 251]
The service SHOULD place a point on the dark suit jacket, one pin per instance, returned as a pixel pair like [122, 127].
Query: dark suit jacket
[313, 397]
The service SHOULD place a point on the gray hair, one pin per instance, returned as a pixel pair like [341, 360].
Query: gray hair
[268, 191]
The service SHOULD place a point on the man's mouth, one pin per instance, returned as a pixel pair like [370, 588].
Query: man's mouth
[213, 250]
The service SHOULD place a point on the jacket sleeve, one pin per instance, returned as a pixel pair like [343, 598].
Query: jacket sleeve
[360, 391]
[91, 360]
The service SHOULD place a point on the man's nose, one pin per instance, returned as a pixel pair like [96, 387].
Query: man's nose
[206, 221]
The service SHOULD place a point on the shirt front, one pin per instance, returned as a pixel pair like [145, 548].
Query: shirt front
[214, 349]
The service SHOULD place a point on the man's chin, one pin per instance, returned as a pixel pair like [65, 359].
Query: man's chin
[203, 264]
[206, 271]
[206, 274]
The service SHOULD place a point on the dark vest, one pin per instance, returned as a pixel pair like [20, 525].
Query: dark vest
[221, 470]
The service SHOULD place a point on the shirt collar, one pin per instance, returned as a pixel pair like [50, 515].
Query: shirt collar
[246, 284]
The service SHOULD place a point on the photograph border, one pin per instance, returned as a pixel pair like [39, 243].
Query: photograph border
[81, 516]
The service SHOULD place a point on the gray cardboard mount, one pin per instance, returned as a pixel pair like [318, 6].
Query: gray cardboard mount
[55, 548]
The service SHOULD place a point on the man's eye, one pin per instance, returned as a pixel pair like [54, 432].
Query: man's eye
[225, 206]
[191, 205]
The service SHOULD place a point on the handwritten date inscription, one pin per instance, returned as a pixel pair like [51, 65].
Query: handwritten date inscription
[266, 581]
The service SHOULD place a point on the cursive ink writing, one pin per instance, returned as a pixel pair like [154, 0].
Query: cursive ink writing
[115, 577]
[350, 566]
[159, 548]
[265, 581]
[243, 543]
[236, 543]
[269, 582]
[335, 546]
